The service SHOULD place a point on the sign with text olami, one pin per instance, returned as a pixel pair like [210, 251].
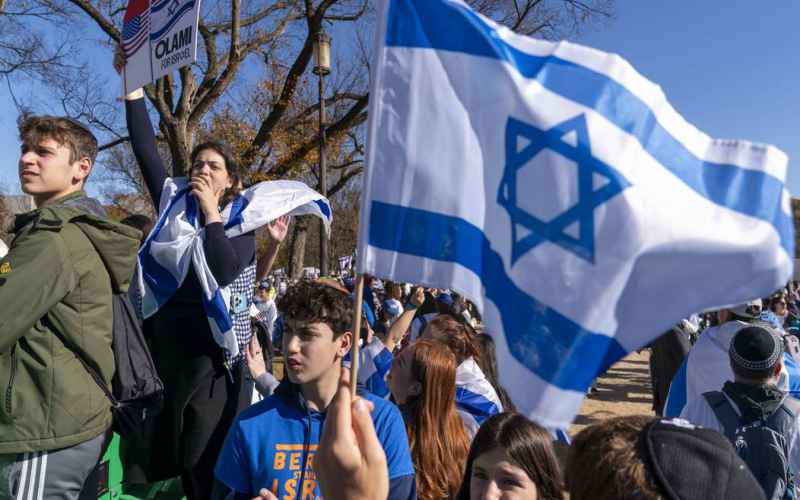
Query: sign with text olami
[158, 37]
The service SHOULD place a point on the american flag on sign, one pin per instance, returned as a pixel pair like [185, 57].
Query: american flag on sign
[135, 26]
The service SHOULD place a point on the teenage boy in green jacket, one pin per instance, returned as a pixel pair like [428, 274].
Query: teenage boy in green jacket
[56, 286]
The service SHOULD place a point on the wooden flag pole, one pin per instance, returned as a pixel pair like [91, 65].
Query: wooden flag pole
[356, 334]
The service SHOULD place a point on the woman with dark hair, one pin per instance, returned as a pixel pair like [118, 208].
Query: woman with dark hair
[423, 383]
[201, 365]
[488, 364]
[476, 398]
[511, 458]
[779, 305]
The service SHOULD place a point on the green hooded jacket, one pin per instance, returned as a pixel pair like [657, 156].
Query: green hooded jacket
[64, 263]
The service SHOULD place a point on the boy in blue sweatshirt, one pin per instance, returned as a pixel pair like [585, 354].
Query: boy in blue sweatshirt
[273, 443]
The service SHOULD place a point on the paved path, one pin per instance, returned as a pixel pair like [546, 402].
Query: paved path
[623, 390]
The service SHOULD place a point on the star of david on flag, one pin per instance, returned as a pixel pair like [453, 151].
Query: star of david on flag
[597, 182]
[557, 189]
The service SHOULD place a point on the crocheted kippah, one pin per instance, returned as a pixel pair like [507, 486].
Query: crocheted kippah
[755, 348]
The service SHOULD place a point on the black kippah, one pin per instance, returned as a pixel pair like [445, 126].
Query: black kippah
[755, 348]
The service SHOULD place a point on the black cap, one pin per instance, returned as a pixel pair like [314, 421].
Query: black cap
[694, 463]
[755, 349]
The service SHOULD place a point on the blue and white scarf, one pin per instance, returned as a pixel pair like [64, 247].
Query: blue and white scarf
[176, 243]
[476, 399]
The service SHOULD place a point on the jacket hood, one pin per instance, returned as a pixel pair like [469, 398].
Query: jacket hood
[116, 243]
[291, 395]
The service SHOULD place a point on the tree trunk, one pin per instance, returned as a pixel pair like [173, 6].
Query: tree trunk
[298, 250]
[180, 145]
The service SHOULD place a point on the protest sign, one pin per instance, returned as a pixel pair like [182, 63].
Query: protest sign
[158, 38]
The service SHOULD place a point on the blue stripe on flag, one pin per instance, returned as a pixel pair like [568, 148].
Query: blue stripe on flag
[158, 279]
[476, 405]
[217, 312]
[158, 5]
[175, 18]
[324, 208]
[549, 344]
[421, 23]
[191, 210]
[676, 398]
[236, 217]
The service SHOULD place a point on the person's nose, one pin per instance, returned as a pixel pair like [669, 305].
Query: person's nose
[491, 491]
[28, 158]
[291, 344]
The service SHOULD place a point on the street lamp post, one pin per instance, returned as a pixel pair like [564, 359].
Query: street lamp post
[322, 67]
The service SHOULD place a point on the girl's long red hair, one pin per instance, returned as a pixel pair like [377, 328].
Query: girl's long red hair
[438, 441]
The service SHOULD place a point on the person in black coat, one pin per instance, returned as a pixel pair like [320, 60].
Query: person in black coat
[667, 353]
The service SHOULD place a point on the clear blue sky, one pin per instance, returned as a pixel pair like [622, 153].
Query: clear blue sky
[730, 67]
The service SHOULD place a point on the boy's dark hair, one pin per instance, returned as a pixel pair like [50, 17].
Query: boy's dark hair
[317, 302]
[608, 461]
[231, 166]
[65, 131]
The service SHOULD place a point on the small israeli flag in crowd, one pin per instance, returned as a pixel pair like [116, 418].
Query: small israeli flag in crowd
[556, 187]
[176, 242]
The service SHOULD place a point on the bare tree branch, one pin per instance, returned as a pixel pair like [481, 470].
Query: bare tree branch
[263, 14]
[354, 116]
[330, 101]
[349, 17]
[343, 180]
[104, 24]
[234, 60]
[279, 108]
[113, 143]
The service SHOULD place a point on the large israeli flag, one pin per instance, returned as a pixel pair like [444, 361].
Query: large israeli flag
[557, 188]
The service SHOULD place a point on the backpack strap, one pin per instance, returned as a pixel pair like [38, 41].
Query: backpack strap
[723, 410]
[783, 419]
[791, 406]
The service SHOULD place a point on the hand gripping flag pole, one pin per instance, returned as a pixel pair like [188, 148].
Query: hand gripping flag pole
[356, 333]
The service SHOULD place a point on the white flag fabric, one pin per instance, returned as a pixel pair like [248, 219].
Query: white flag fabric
[158, 37]
[556, 188]
[176, 243]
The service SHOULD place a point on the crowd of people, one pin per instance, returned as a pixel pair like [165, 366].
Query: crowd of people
[430, 419]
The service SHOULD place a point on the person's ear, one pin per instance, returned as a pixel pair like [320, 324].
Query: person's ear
[778, 368]
[415, 389]
[84, 168]
[346, 343]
